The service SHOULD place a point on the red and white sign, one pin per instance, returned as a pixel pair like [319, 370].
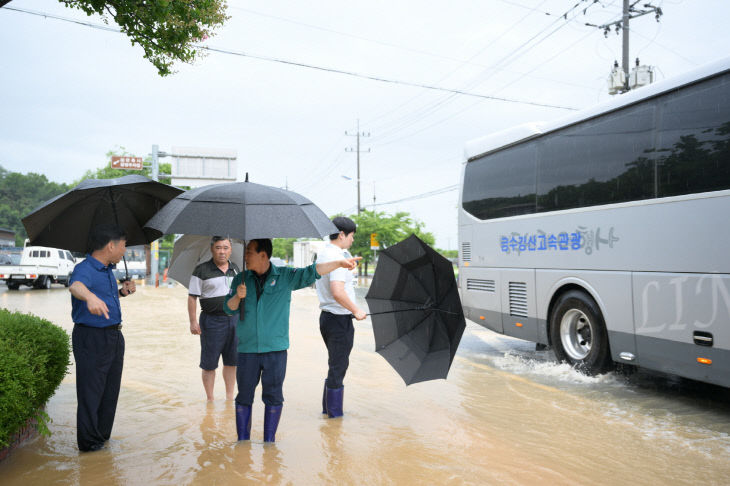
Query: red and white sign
[126, 162]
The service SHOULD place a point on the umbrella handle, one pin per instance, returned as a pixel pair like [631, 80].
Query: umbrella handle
[116, 220]
[126, 272]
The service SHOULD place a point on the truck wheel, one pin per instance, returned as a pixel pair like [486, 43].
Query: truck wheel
[47, 283]
[13, 285]
[67, 281]
[578, 333]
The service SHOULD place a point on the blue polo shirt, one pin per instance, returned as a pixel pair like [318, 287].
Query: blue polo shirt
[99, 279]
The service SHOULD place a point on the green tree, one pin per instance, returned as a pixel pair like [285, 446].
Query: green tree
[167, 30]
[19, 195]
[449, 253]
[390, 229]
[283, 248]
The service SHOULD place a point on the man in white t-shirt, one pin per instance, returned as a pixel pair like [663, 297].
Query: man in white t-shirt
[336, 292]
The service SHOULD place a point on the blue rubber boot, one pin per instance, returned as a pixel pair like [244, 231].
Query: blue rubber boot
[334, 402]
[272, 414]
[243, 421]
[324, 397]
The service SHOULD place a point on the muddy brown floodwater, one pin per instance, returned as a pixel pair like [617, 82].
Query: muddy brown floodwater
[505, 415]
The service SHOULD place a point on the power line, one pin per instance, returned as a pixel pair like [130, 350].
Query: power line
[499, 65]
[377, 78]
[435, 192]
[305, 65]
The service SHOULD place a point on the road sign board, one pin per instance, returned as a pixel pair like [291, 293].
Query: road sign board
[374, 243]
[127, 162]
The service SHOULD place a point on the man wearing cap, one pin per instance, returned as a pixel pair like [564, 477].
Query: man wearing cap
[336, 294]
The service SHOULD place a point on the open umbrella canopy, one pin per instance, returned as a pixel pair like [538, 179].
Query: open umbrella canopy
[416, 311]
[191, 250]
[66, 220]
[242, 210]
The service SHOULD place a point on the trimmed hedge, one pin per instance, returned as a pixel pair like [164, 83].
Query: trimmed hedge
[34, 358]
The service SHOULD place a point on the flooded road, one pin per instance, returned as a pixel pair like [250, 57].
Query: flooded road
[506, 415]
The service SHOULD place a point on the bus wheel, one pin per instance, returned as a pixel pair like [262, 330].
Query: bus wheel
[578, 333]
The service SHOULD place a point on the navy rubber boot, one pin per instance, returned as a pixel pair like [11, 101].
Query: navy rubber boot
[334, 402]
[324, 397]
[243, 421]
[272, 414]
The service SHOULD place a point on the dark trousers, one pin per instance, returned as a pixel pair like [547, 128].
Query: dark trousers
[338, 334]
[269, 368]
[99, 355]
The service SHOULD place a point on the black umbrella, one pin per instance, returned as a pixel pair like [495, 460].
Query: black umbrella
[416, 311]
[66, 220]
[242, 210]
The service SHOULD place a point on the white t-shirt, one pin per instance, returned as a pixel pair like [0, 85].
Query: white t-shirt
[326, 301]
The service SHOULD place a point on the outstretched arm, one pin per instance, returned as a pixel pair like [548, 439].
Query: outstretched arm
[327, 267]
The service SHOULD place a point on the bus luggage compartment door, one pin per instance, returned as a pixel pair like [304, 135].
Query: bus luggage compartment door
[671, 310]
[479, 296]
[518, 303]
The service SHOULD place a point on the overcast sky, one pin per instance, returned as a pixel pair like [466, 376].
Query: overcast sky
[70, 93]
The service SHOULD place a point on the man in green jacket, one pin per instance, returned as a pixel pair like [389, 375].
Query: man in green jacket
[263, 329]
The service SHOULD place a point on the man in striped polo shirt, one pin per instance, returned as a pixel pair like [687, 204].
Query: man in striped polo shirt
[210, 282]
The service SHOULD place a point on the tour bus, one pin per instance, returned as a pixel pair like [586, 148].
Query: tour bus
[606, 234]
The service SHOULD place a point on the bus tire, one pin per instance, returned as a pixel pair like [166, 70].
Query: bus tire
[578, 333]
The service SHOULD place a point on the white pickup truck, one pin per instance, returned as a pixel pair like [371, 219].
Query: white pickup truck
[39, 267]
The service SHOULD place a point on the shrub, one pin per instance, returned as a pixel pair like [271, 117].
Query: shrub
[34, 358]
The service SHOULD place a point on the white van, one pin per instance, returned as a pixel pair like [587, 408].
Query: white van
[39, 267]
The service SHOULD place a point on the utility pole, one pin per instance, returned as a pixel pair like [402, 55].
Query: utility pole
[357, 134]
[629, 12]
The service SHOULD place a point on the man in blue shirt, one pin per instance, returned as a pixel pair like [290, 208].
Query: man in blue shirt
[98, 344]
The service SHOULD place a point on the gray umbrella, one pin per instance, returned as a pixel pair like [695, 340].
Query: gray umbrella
[191, 250]
[241, 210]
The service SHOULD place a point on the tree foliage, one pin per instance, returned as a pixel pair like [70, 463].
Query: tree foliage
[390, 229]
[165, 29]
[19, 195]
[283, 248]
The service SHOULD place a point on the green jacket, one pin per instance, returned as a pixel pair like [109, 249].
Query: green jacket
[263, 326]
